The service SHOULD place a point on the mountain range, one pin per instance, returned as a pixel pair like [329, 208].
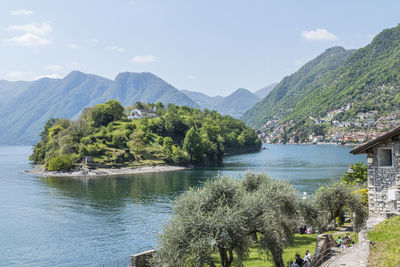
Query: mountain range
[343, 82]
[235, 104]
[26, 106]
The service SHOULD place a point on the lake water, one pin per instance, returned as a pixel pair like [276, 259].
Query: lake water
[91, 222]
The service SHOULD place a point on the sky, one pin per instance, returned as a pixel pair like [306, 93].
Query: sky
[207, 46]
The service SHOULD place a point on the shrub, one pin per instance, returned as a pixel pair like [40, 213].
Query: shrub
[60, 163]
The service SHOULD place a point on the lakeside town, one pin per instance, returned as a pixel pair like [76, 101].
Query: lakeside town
[363, 127]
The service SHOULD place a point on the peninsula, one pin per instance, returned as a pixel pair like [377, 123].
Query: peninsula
[109, 139]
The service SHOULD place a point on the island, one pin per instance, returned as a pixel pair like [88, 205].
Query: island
[108, 139]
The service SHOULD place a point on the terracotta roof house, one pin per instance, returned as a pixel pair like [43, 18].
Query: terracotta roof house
[383, 165]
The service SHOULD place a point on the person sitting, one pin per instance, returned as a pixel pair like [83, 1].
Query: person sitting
[339, 242]
[299, 261]
[344, 243]
[349, 240]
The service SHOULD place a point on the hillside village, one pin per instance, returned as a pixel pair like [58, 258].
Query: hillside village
[360, 128]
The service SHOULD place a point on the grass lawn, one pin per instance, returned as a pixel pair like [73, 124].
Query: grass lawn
[300, 244]
[386, 248]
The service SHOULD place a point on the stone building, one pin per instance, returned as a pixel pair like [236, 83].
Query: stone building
[383, 165]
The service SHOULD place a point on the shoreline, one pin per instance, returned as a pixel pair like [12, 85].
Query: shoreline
[103, 171]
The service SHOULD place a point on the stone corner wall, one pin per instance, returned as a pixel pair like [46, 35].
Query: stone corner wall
[383, 182]
[142, 259]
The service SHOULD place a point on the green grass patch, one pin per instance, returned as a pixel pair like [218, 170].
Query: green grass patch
[300, 245]
[386, 248]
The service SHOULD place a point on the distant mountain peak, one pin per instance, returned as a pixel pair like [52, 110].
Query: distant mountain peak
[75, 74]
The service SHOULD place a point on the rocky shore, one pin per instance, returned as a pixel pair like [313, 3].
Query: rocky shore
[102, 171]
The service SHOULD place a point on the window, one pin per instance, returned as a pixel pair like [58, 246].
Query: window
[385, 157]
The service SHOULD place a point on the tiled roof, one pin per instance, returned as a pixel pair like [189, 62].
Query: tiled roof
[364, 146]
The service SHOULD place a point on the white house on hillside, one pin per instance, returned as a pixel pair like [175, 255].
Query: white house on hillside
[139, 113]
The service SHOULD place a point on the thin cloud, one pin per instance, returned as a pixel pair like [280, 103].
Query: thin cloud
[94, 40]
[191, 77]
[145, 59]
[116, 48]
[52, 76]
[318, 35]
[54, 68]
[22, 11]
[41, 29]
[28, 39]
[33, 34]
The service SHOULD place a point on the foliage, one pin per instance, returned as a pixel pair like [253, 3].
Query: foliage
[180, 135]
[386, 248]
[335, 199]
[207, 219]
[193, 145]
[103, 114]
[367, 78]
[224, 217]
[60, 163]
[356, 175]
[271, 212]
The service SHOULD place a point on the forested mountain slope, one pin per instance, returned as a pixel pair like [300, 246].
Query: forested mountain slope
[26, 106]
[292, 89]
[340, 83]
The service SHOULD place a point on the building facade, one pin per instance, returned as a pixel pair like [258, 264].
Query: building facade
[383, 165]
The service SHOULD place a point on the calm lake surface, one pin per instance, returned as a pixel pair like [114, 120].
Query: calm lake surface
[91, 222]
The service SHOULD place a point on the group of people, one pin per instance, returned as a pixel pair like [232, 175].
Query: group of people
[301, 262]
[305, 230]
[344, 242]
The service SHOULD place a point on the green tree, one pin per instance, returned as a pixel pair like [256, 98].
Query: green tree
[193, 145]
[103, 114]
[136, 143]
[167, 145]
[356, 174]
[206, 220]
[116, 110]
[271, 212]
[60, 163]
[334, 200]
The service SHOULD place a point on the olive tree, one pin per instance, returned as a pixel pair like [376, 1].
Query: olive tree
[337, 198]
[206, 221]
[271, 212]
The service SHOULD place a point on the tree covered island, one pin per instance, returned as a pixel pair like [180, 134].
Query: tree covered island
[108, 136]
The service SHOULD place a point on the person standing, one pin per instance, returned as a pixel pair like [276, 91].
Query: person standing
[307, 259]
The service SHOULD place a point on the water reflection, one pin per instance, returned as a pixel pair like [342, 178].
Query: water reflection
[144, 188]
[112, 217]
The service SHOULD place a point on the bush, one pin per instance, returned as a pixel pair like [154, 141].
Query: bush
[60, 163]
[179, 157]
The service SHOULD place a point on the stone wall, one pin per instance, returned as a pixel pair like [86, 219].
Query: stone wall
[142, 259]
[325, 243]
[383, 182]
